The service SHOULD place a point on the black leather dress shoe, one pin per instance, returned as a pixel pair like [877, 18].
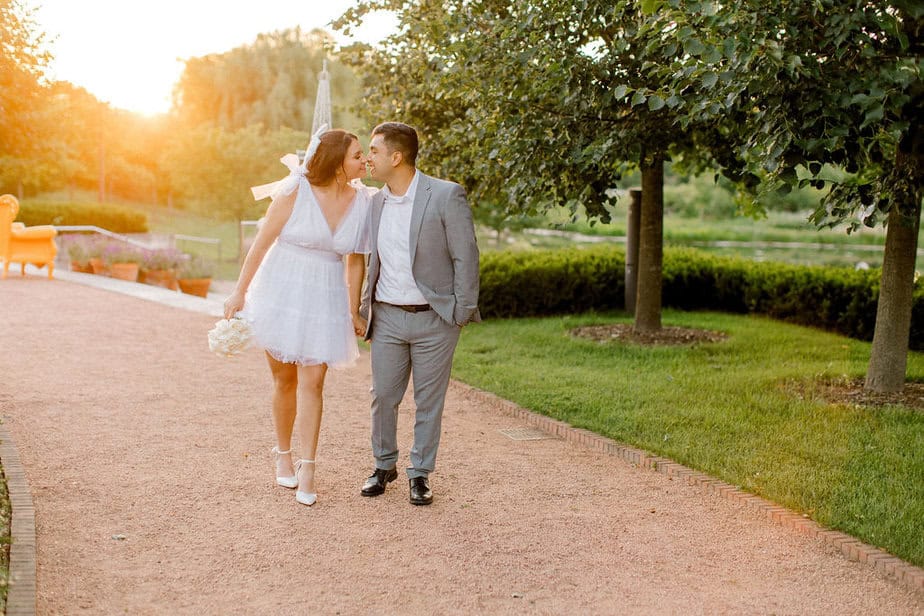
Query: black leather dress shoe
[420, 491]
[377, 481]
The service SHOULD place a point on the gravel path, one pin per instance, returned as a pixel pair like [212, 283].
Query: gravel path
[149, 463]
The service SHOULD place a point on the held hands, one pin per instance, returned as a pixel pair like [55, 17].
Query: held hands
[234, 304]
[359, 325]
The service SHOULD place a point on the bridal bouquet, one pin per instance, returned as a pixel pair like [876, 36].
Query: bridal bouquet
[230, 336]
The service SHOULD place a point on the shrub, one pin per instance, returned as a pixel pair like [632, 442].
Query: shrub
[116, 218]
[76, 248]
[119, 252]
[162, 258]
[195, 267]
[550, 282]
[82, 247]
[518, 284]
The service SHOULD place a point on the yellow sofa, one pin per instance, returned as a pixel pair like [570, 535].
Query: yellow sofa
[22, 244]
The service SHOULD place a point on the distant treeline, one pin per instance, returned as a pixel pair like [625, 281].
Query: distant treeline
[233, 115]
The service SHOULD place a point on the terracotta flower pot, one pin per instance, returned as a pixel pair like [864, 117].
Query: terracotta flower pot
[161, 278]
[97, 266]
[124, 271]
[195, 286]
[83, 268]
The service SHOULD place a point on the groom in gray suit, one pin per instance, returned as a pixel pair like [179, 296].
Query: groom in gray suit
[422, 288]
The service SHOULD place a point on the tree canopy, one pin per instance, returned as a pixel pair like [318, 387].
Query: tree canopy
[828, 92]
[234, 115]
[538, 104]
[23, 59]
[272, 82]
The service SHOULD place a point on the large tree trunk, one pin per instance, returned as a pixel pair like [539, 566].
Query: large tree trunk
[886, 373]
[650, 251]
[889, 356]
[633, 222]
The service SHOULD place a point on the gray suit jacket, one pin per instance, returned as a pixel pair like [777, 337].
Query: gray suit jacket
[444, 254]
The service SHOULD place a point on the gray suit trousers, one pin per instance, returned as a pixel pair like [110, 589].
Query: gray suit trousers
[404, 344]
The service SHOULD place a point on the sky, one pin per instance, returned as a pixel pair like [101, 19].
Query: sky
[129, 52]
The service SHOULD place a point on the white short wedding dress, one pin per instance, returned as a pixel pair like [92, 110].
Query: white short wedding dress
[297, 304]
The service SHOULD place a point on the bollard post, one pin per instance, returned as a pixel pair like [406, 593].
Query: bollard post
[633, 224]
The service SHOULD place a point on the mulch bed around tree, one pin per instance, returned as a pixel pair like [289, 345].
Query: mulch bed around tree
[666, 336]
[851, 392]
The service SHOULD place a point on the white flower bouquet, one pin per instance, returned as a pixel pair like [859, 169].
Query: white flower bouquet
[230, 337]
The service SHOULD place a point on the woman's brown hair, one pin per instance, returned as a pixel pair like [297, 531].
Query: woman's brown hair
[322, 168]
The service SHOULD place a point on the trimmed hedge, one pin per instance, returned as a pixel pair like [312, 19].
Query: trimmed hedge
[116, 218]
[520, 284]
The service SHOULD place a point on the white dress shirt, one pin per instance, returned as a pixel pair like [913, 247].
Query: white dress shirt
[396, 283]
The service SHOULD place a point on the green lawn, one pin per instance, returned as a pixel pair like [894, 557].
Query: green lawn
[163, 220]
[720, 408]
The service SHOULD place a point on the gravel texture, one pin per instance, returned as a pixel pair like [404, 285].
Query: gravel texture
[150, 467]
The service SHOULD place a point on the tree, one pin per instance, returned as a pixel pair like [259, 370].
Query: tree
[211, 168]
[549, 109]
[818, 85]
[22, 63]
[272, 82]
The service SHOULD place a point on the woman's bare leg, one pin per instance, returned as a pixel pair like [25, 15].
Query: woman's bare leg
[310, 409]
[285, 386]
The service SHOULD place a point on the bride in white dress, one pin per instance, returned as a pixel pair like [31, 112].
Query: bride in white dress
[299, 288]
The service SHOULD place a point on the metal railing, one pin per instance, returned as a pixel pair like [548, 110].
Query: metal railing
[101, 231]
[147, 246]
[214, 241]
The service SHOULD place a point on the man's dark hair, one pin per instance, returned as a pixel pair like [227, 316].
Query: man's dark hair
[399, 137]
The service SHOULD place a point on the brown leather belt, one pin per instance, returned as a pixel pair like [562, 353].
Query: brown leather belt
[411, 308]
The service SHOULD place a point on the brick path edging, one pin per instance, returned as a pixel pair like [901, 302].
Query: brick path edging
[20, 599]
[852, 548]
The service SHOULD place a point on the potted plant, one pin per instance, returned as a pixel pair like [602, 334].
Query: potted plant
[194, 276]
[95, 246]
[77, 253]
[159, 267]
[123, 261]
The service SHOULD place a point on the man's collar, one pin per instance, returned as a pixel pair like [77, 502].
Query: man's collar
[408, 195]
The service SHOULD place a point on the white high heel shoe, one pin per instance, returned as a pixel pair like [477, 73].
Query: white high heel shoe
[286, 482]
[305, 498]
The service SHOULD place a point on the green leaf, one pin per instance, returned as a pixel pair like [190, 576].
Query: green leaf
[693, 46]
[709, 80]
[638, 98]
[873, 115]
[655, 102]
[649, 7]
[620, 91]
[729, 46]
[712, 54]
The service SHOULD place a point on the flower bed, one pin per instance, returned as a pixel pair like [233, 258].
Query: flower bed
[163, 267]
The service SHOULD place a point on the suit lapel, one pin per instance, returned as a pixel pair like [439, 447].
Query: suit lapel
[421, 201]
[378, 201]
